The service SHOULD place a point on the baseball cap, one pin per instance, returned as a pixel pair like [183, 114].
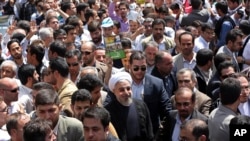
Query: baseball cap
[107, 22]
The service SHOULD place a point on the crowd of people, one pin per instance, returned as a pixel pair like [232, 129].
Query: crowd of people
[182, 72]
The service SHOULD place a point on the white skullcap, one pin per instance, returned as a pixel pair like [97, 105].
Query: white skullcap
[117, 77]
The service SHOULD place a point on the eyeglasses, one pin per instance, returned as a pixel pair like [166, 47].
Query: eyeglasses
[226, 76]
[73, 64]
[13, 91]
[184, 81]
[142, 68]
[86, 52]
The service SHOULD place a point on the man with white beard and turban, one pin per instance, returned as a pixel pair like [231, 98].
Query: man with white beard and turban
[130, 117]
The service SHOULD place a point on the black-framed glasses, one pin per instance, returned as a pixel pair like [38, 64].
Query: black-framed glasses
[142, 68]
[184, 81]
[73, 64]
[13, 90]
[86, 52]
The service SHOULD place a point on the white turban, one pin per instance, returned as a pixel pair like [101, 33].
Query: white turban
[117, 77]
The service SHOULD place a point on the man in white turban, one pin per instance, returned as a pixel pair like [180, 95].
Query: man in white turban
[127, 114]
[120, 85]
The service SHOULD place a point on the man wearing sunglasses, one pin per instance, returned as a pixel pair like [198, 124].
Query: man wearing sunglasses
[74, 61]
[149, 89]
[9, 92]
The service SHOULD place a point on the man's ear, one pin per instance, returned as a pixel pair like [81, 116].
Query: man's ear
[60, 107]
[13, 132]
[106, 130]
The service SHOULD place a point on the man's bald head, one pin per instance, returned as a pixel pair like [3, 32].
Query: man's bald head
[8, 90]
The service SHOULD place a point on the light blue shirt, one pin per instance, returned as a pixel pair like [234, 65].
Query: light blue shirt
[176, 132]
[200, 43]
[138, 90]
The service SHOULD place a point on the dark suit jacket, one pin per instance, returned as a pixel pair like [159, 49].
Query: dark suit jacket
[213, 84]
[157, 100]
[69, 129]
[170, 121]
[145, 126]
[155, 97]
[173, 80]
[203, 103]
[202, 85]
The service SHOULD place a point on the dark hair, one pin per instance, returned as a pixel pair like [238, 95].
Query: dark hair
[219, 58]
[11, 42]
[58, 32]
[89, 13]
[186, 33]
[68, 27]
[18, 36]
[233, 34]
[94, 25]
[98, 113]
[164, 9]
[48, 18]
[159, 56]
[245, 26]
[72, 53]
[124, 3]
[126, 43]
[81, 7]
[203, 56]
[58, 47]
[230, 90]
[26, 71]
[46, 97]
[240, 120]
[81, 95]
[196, 23]
[36, 130]
[238, 75]
[24, 24]
[198, 127]
[117, 24]
[59, 64]
[225, 65]
[136, 55]
[12, 121]
[38, 49]
[158, 21]
[205, 26]
[89, 82]
[222, 5]
[72, 20]
[42, 85]
[196, 4]
[91, 3]
[181, 90]
[65, 6]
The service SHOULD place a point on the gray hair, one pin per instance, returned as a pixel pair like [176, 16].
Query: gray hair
[184, 70]
[45, 32]
[9, 63]
[151, 44]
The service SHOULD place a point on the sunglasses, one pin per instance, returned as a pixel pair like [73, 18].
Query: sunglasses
[184, 81]
[142, 68]
[13, 91]
[73, 64]
[226, 76]
[86, 52]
